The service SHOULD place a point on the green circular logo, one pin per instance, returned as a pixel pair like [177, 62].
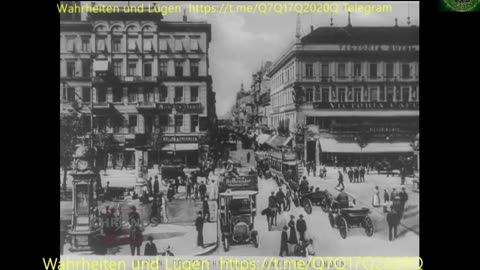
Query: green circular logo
[461, 5]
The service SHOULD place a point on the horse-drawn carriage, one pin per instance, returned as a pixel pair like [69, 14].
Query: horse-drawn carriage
[310, 198]
[346, 218]
[237, 211]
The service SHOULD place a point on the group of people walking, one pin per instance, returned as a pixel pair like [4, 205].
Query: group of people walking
[290, 244]
[394, 205]
[356, 175]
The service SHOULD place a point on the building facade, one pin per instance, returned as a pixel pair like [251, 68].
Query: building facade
[353, 91]
[143, 76]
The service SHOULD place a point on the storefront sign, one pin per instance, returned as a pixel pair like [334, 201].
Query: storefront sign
[181, 107]
[239, 183]
[373, 47]
[180, 139]
[367, 105]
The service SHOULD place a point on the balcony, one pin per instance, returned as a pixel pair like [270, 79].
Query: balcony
[181, 107]
[139, 79]
[367, 105]
[146, 106]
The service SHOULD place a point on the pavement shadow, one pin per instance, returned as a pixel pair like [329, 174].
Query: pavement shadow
[409, 215]
[404, 231]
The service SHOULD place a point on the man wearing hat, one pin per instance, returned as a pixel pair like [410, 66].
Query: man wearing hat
[283, 242]
[150, 247]
[134, 217]
[199, 227]
[301, 227]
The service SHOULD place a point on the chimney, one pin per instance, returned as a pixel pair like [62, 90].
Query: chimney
[184, 15]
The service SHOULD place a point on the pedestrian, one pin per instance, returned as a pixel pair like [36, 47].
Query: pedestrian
[171, 192]
[350, 174]
[308, 168]
[386, 198]
[202, 189]
[393, 194]
[188, 188]
[402, 176]
[314, 168]
[150, 187]
[304, 184]
[325, 173]
[206, 210]
[150, 247]
[136, 239]
[248, 156]
[156, 185]
[177, 183]
[163, 207]
[155, 208]
[284, 242]
[301, 227]
[376, 197]
[356, 175]
[106, 195]
[292, 240]
[288, 195]
[397, 205]
[403, 199]
[280, 198]
[340, 180]
[393, 220]
[133, 217]
[362, 174]
[199, 227]
[213, 191]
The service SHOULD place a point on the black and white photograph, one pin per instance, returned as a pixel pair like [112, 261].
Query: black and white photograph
[276, 129]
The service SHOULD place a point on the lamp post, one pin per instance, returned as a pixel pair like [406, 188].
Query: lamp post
[174, 112]
[362, 140]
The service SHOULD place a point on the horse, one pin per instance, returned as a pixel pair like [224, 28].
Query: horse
[271, 213]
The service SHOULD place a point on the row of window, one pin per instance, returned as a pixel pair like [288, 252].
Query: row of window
[133, 44]
[133, 94]
[283, 120]
[355, 94]
[130, 123]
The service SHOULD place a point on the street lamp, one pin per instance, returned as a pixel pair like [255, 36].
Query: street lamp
[174, 112]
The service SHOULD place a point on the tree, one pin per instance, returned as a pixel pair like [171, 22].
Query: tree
[71, 129]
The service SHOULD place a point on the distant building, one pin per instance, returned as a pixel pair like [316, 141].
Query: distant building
[141, 74]
[355, 89]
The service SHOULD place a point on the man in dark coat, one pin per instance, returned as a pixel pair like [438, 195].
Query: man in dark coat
[150, 187]
[134, 217]
[403, 200]
[272, 200]
[314, 168]
[403, 175]
[150, 248]
[188, 188]
[304, 185]
[284, 241]
[356, 175]
[340, 180]
[199, 227]
[156, 186]
[280, 198]
[350, 175]
[393, 194]
[287, 199]
[362, 174]
[308, 168]
[206, 210]
[301, 227]
[202, 189]
[393, 220]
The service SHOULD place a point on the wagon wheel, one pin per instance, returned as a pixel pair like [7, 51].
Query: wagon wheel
[307, 205]
[324, 206]
[342, 227]
[332, 220]
[368, 225]
[226, 244]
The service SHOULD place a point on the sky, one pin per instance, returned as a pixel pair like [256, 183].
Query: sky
[242, 42]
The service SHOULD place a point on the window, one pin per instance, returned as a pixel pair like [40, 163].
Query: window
[414, 94]
[178, 94]
[148, 95]
[309, 71]
[333, 95]
[70, 44]
[390, 93]
[178, 68]
[85, 45]
[71, 69]
[117, 94]
[310, 120]
[365, 95]
[357, 94]
[373, 70]
[85, 67]
[163, 44]
[398, 95]
[178, 44]
[101, 95]
[194, 93]
[350, 94]
[357, 70]
[132, 95]
[341, 94]
[203, 123]
[389, 70]
[178, 122]
[147, 45]
[101, 45]
[193, 44]
[132, 123]
[117, 44]
[317, 94]
[405, 71]
[86, 94]
[381, 95]
[194, 68]
[325, 94]
[163, 69]
[194, 122]
[132, 69]
[163, 94]
[132, 44]
[147, 69]
[309, 95]
[373, 94]
[71, 94]
[163, 120]
[117, 67]
[341, 71]
[406, 94]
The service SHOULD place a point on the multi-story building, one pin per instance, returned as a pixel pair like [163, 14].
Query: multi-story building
[142, 75]
[354, 91]
[260, 91]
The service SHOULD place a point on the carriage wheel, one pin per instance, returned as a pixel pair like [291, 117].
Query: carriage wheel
[296, 201]
[332, 220]
[324, 206]
[368, 225]
[342, 227]
[226, 244]
[307, 205]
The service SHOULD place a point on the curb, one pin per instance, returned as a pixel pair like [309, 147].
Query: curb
[209, 251]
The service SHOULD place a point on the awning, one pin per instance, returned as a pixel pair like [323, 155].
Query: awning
[331, 145]
[277, 141]
[181, 147]
[262, 138]
[100, 65]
